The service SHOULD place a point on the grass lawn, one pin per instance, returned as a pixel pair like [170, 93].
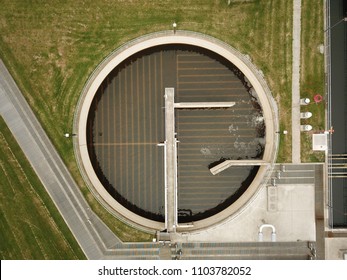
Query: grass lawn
[30, 225]
[312, 74]
[51, 48]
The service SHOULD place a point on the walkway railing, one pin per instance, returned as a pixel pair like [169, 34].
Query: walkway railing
[328, 155]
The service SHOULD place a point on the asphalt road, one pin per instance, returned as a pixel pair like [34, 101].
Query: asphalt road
[339, 105]
[92, 234]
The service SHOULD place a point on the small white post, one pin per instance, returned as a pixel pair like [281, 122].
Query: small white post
[174, 25]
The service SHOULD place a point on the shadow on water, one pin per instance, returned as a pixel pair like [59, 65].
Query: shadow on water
[104, 180]
[120, 199]
[186, 215]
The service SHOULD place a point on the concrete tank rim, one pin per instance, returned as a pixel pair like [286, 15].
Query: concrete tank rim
[162, 38]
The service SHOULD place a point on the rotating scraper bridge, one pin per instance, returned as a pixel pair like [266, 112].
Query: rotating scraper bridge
[170, 154]
[177, 131]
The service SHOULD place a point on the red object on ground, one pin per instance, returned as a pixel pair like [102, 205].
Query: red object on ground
[317, 98]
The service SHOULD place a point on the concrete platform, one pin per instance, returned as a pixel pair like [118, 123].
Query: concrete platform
[294, 219]
[192, 105]
[335, 248]
[170, 162]
[228, 163]
[171, 209]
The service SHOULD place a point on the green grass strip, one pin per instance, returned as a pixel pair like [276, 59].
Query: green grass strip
[30, 225]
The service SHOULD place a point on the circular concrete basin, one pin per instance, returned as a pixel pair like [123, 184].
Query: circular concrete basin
[120, 122]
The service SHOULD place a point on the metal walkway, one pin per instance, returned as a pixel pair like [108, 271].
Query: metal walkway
[293, 174]
[170, 154]
[245, 251]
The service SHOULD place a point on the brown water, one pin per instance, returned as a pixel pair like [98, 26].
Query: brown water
[126, 122]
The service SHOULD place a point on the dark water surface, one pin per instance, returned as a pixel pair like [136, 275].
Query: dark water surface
[126, 122]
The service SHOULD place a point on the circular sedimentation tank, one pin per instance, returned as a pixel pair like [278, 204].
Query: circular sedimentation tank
[121, 124]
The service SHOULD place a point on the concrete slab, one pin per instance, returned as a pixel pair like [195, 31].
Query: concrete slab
[228, 163]
[204, 105]
[296, 158]
[335, 248]
[294, 219]
[170, 161]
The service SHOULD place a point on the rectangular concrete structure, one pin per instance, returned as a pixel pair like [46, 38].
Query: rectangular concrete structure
[192, 105]
[170, 154]
[226, 164]
[294, 218]
[170, 162]
[296, 157]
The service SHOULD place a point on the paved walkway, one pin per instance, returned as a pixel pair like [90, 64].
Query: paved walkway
[90, 232]
[296, 147]
[170, 162]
